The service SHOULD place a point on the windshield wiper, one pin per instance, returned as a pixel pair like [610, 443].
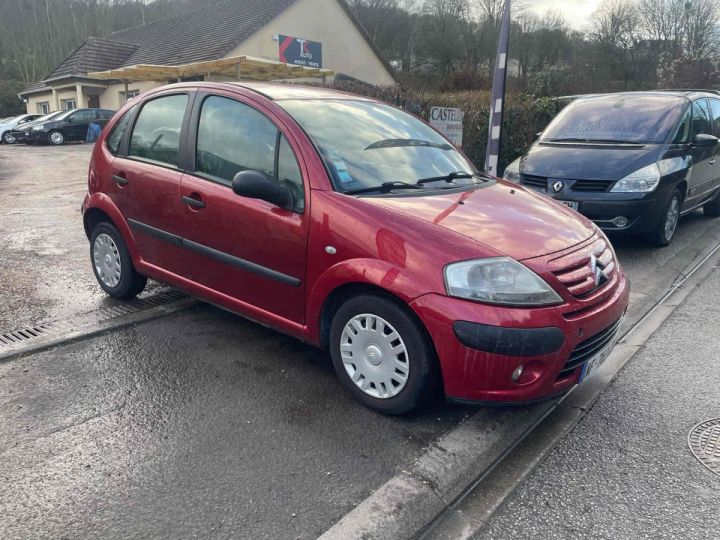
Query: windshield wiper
[449, 178]
[385, 187]
[606, 141]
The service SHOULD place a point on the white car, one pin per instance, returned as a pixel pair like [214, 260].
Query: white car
[7, 125]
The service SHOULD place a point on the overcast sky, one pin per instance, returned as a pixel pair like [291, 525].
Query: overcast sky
[576, 12]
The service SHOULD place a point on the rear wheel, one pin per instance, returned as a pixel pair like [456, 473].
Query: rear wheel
[712, 209]
[56, 137]
[381, 354]
[112, 263]
[664, 231]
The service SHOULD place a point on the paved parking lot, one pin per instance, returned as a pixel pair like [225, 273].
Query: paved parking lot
[198, 424]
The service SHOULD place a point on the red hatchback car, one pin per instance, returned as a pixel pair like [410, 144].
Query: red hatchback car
[356, 227]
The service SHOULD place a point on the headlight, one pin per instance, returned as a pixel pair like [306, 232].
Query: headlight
[641, 181]
[499, 280]
[512, 172]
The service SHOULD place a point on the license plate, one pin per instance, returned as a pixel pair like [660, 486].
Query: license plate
[571, 204]
[596, 361]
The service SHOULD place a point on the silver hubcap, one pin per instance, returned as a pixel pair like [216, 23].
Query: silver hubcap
[672, 218]
[57, 138]
[374, 356]
[9, 139]
[107, 260]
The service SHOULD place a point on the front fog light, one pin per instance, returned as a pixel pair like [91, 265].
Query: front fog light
[518, 373]
[620, 222]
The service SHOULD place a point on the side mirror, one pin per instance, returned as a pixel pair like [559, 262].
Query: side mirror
[539, 134]
[258, 185]
[705, 141]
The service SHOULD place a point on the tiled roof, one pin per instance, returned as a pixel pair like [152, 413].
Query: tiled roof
[204, 34]
[35, 88]
[94, 54]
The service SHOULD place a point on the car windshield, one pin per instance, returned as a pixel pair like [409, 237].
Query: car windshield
[639, 119]
[64, 114]
[368, 146]
[49, 116]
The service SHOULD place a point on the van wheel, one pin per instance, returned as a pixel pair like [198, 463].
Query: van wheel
[381, 354]
[112, 263]
[56, 137]
[712, 209]
[664, 231]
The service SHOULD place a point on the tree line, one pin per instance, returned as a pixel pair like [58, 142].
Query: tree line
[433, 44]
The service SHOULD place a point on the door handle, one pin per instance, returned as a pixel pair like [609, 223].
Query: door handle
[192, 201]
[120, 180]
[712, 161]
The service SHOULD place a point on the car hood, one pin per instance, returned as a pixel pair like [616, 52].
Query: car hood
[505, 217]
[587, 162]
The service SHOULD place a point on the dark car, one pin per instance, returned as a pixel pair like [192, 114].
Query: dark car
[70, 126]
[20, 133]
[355, 226]
[632, 162]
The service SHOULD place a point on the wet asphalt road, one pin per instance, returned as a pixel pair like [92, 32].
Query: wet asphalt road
[626, 471]
[200, 424]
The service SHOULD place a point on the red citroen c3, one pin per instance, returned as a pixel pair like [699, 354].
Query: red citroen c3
[356, 227]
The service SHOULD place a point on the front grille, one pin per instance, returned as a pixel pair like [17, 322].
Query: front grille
[589, 348]
[535, 182]
[592, 185]
[584, 271]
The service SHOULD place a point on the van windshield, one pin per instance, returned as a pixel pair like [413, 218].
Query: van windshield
[639, 119]
[368, 145]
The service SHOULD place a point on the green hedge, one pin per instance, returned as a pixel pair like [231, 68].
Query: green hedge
[524, 116]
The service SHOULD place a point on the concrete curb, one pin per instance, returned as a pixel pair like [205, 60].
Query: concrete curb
[454, 465]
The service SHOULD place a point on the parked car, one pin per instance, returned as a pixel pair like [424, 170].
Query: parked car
[8, 124]
[354, 226]
[21, 133]
[633, 162]
[70, 126]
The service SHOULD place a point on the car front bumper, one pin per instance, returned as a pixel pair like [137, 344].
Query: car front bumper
[480, 347]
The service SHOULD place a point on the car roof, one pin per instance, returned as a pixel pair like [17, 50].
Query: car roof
[277, 91]
[687, 94]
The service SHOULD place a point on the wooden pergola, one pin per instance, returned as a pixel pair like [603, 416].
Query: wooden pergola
[238, 67]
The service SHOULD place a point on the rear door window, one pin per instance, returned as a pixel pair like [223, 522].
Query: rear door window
[83, 117]
[156, 135]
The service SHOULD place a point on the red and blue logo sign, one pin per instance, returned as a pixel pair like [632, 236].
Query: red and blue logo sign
[303, 52]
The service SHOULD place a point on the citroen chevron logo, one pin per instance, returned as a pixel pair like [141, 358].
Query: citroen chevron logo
[597, 269]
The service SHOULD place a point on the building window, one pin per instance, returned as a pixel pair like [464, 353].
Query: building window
[43, 107]
[68, 104]
[131, 94]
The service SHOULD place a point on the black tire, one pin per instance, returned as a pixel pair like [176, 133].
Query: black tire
[56, 137]
[660, 236]
[131, 283]
[7, 138]
[712, 209]
[422, 378]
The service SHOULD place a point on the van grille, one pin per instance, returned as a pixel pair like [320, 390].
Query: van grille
[535, 182]
[592, 185]
[589, 348]
[584, 271]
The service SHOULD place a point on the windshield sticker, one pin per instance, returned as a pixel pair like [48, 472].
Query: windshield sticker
[343, 175]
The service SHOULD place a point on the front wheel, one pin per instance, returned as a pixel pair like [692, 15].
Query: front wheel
[381, 354]
[112, 263]
[56, 137]
[664, 231]
[8, 138]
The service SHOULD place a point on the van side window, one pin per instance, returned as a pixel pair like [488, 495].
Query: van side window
[113, 140]
[701, 118]
[234, 137]
[715, 111]
[156, 135]
[683, 131]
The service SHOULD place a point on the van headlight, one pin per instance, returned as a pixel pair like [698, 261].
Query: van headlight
[512, 172]
[641, 181]
[498, 280]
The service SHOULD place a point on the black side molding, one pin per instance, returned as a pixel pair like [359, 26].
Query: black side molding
[214, 253]
[509, 341]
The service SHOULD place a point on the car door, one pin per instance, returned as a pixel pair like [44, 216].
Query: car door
[245, 248]
[701, 179]
[145, 177]
[715, 160]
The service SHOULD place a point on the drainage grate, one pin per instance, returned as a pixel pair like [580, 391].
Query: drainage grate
[101, 315]
[704, 441]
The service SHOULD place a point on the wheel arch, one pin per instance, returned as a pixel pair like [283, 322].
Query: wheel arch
[98, 208]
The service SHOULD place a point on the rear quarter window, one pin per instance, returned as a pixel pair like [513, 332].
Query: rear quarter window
[115, 137]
